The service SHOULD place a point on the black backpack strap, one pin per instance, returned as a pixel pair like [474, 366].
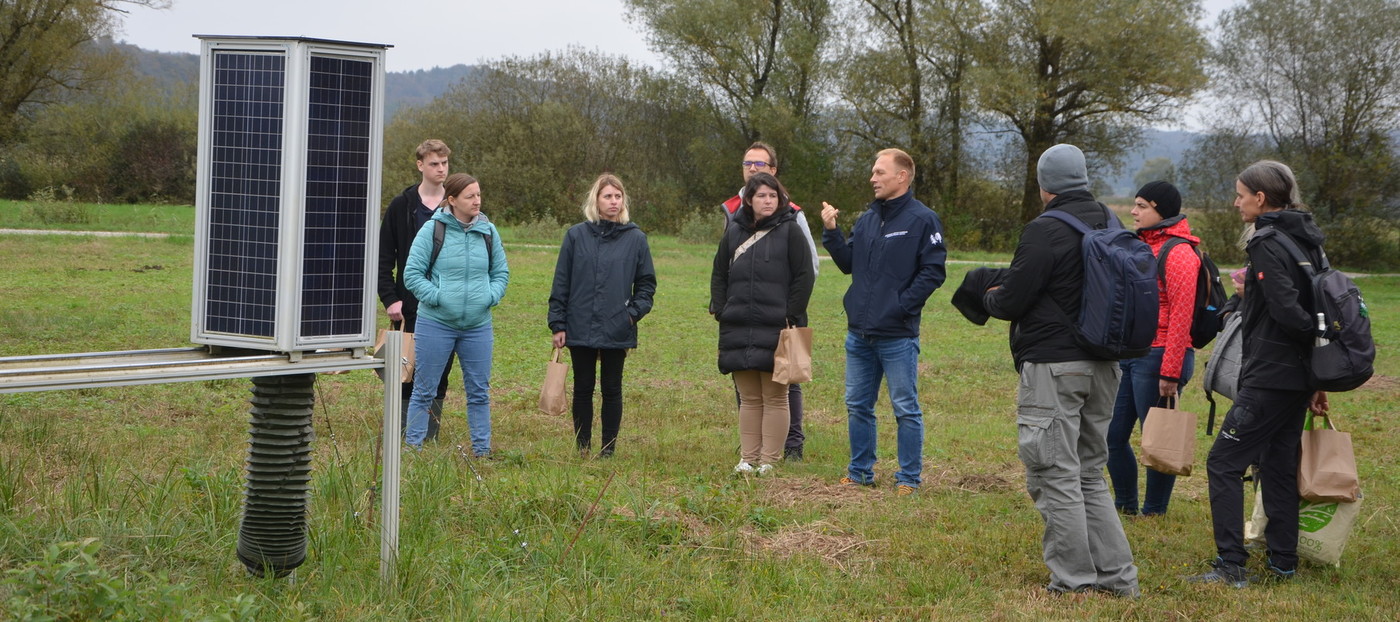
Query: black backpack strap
[1162, 257]
[1294, 251]
[439, 234]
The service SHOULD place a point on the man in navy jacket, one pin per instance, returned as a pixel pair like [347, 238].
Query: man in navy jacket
[895, 257]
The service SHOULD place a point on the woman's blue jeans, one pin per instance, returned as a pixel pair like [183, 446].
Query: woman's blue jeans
[1138, 392]
[433, 346]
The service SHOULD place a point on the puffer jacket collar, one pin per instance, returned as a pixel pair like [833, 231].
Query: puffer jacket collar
[1174, 227]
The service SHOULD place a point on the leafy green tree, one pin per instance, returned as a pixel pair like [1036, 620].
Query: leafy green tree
[1086, 72]
[1321, 79]
[905, 78]
[47, 50]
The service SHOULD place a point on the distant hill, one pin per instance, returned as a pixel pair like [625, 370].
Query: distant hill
[401, 88]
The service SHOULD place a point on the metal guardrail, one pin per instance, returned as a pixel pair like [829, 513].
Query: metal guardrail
[50, 372]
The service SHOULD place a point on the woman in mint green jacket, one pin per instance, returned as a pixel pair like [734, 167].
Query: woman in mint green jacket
[455, 291]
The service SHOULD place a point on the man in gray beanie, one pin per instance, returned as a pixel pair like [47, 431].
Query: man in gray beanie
[1066, 395]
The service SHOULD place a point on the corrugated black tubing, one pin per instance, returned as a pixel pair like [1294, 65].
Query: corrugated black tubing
[272, 536]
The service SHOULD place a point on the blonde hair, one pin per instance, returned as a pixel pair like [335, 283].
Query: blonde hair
[590, 204]
[901, 160]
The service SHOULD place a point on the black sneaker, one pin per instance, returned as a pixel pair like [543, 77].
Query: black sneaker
[1224, 572]
[1280, 574]
[792, 454]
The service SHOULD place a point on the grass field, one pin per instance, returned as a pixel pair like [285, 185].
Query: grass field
[127, 500]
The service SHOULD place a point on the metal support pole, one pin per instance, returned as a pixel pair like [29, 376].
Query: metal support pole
[393, 442]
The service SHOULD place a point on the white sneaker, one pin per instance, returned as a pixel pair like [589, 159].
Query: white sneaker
[765, 469]
[743, 468]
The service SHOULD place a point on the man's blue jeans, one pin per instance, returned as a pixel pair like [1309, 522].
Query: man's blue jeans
[896, 359]
[433, 345]
[1137, 392]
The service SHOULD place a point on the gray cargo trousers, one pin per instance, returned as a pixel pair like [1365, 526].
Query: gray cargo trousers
[1062, 416]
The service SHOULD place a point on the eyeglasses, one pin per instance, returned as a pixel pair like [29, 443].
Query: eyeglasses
[754, 164]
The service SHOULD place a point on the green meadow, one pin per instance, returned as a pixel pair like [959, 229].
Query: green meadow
[124, 503]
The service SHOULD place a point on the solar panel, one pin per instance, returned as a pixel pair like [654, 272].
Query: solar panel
[245, 196]
[337, 186]
[288, 188]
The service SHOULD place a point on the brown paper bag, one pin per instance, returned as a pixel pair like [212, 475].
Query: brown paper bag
[1327, 470]
[406, 362]
[792, 361]
[554, 398]
[1169, 440]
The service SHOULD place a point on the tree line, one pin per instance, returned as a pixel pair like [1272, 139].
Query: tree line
[974, 90]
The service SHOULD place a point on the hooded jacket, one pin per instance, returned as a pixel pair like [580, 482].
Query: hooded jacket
[734, 202]
[467, 280]
[396, 232]
[756, 295]
[895, 257]
[1278, 327]
[1043, 285]
[603, 285]
[1176, 298]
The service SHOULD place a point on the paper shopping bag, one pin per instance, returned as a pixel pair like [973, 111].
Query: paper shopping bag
[1169, 440]
[553, 395]
[405, 362]
[1327, 470]
[792, 361]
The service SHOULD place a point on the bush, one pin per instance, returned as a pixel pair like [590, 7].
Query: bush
[1219, 230]
[1363, 242]
[48, 208]
[543, 229]
[702, 227]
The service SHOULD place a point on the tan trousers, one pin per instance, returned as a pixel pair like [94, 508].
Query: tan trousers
[763, 416]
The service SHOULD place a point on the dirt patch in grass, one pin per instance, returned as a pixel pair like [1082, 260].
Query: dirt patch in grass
[1004, 477]
[833, 545]
[1382, 383]
[787, 492]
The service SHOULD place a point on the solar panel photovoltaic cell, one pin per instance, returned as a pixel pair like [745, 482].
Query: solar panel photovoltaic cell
[335, 241]
[245, 188]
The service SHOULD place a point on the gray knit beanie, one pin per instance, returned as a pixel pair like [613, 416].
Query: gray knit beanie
[1062, 169]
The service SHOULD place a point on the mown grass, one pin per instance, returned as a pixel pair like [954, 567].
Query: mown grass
[171, 219]
[155, 475]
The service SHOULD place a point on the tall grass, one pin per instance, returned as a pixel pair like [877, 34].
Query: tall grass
[139, 488]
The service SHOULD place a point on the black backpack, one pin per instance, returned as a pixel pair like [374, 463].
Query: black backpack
[440, 234]
[1344, 353]
[1210, 295]
[1118, 307]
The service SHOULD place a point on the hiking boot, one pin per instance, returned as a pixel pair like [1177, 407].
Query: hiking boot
[904, 490]
[607, 452]
[1224, 572]
[847, 481]
[743, 468]
[434, 420]
[792, 454]
[765, 469]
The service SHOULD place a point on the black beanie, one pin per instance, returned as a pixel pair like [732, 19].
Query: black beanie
[1166, 197]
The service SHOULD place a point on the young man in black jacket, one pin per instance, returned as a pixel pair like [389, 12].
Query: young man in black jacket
[406, 214]
[1066, 395]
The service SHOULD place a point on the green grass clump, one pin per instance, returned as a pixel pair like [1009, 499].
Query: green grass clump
[135, 492]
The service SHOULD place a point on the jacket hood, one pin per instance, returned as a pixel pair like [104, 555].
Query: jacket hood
[1070, 196]
[608, 228]
[1174, 227]
[1296, 223]
[744, 217]
[482, 224]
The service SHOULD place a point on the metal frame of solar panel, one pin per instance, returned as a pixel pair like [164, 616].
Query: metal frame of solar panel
[287, 193]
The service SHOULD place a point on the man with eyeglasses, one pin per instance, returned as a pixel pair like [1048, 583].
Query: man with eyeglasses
[762, 158]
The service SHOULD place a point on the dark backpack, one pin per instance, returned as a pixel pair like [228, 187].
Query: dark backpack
[440, 234]
[1343, 355]
[1210, 295]
[1118, 308]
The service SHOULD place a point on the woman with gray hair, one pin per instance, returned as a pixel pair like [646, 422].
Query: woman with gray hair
[1275, 390]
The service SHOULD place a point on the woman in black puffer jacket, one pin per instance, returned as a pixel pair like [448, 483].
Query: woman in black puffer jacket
[761, 283]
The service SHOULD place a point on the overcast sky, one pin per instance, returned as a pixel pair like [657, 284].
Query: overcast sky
[424, 34]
